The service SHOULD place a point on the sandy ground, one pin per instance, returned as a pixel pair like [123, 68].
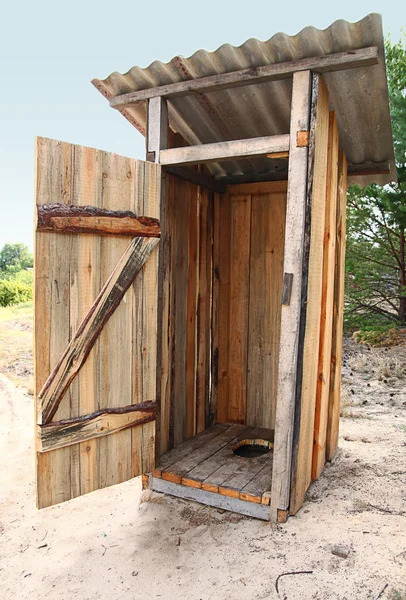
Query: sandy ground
[121, 543]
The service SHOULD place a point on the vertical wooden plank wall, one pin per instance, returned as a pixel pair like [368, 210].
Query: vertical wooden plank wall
[70, 271]
[248, 269]
[326, 320]
[338, 311]
[317, 408]
[186, 313]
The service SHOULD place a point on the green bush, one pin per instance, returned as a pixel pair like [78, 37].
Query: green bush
[13, 291]
[384, 335]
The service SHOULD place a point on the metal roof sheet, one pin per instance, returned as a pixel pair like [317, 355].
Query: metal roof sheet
[359, 96]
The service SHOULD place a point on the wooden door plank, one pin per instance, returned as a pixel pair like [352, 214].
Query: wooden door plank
[290, 314]
[239, 299]
[52, 322]
[326, 320]
[79, 348]
[215, 276]
[338, 312]
[313, 274]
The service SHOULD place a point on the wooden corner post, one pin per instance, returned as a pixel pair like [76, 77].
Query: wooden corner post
[157, 140]
[157, 128]
[290, 318]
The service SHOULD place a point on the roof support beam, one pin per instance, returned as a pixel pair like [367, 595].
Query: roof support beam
[224, 150]
[157, 128]
[338, 61]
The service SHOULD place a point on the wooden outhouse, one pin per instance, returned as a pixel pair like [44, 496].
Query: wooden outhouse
[189, 308]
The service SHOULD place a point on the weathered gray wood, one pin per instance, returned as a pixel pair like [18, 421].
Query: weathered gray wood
[287, 288]
[104, 422]
[224, 150]
[187, 447]
[66, 218]
[290, 320]
[251, 509]
[186, 464]
[158, 128]
[80, 346]
[322, 64]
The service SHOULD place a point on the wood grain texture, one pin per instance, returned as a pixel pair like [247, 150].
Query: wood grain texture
[67, 432]
[290, 314]
[61, 218]
[313, 277]
[205, 153]
[327, 298]
[239, 307]
[338, 312]
[70, 271]
[274, 72]
[268, 213]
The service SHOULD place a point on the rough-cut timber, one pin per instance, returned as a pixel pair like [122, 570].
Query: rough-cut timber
[205, 153]
[326, 321]
[290, 313]
[104, 422]
[62, 218]
[70, 270]
[310, 313]
[79, 348]
[321, 64]
[338, 312]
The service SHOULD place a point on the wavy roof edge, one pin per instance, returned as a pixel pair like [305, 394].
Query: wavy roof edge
[359, 96]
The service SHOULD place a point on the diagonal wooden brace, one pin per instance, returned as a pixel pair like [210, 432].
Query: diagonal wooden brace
[80, 346]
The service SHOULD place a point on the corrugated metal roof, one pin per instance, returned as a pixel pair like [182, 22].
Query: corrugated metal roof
[359, 96]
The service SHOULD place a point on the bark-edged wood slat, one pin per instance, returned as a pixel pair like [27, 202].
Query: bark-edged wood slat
[104, 422]
[322, 64]
[79, 348]
[63, 218]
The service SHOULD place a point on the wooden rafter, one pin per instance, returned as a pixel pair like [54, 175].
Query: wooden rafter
[322, 64]
[64, 218]
[103, 422]
[80, 346]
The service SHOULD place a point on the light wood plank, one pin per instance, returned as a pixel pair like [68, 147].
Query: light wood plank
[326, 320]
[239, 304]
[290, 314]
[79, 348]
[205, 153]
[223, 275]
[322, 64]
[338, 312]
[268, 214]
[313, 261]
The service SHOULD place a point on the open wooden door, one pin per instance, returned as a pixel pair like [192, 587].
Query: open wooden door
[95, 318]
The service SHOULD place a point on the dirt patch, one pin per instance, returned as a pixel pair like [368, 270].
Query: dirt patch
[346, 543]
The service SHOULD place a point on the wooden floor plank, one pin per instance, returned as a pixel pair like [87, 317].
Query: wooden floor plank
[186, 464]
[261, 482]
[176, 454]
[213, 463]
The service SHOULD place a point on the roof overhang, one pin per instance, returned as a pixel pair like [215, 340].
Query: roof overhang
[261, 107]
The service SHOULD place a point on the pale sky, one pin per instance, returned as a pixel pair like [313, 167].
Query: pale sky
[51, 50]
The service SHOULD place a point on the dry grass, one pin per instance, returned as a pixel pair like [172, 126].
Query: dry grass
[16, 361]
